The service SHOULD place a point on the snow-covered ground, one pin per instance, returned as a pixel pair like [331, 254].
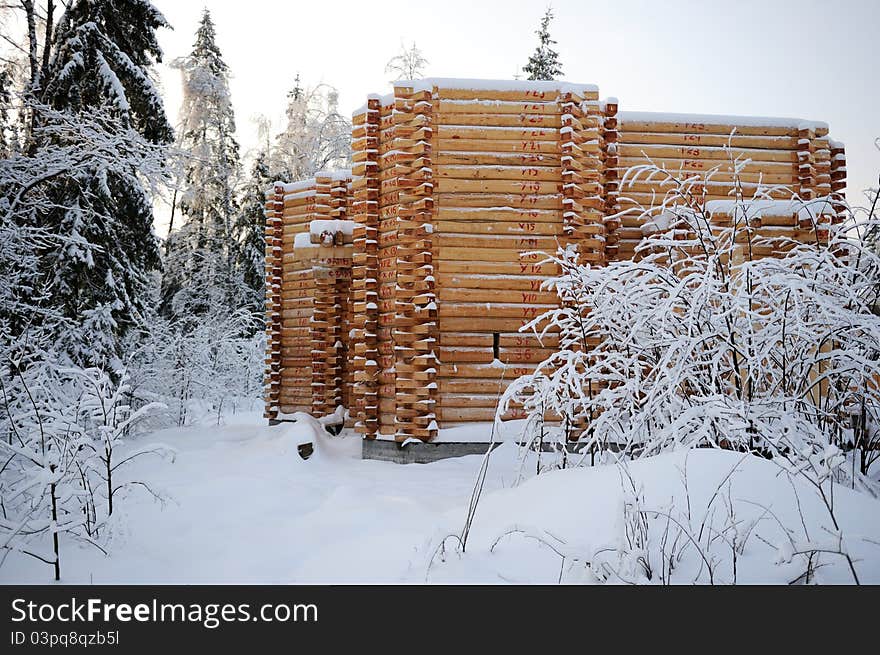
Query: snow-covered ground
[242, 507]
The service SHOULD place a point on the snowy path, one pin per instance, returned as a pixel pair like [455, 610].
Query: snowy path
[244, 508]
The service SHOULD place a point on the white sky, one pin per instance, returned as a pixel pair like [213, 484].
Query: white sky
[812, 59]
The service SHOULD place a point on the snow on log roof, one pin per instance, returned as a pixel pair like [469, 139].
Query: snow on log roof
[754, 208]
[718, 119]
[303, 240]
[301, 185]
[319, 226]
[307, 193]
[337, 175]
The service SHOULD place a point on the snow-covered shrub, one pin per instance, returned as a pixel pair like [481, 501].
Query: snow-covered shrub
[203, 367]
[700, 341]
[104, 415]
[62, 429]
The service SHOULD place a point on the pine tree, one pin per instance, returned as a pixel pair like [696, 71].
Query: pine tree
[250, 234]
[100, 67]
[544, 63]
[201, 275]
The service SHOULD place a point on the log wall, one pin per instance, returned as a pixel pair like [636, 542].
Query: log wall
[784, 157]
[307, 318]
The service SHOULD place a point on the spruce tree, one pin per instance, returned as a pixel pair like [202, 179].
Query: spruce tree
[201, 269]
[251, 234]
[544, 63]
[100, 67]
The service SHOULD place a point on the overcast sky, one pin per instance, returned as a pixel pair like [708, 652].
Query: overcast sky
[812, 59]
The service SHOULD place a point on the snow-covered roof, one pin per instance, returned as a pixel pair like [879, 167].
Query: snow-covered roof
[303, 240]
[319, 226]
[803, 208]
[718, 119]
[337, 175]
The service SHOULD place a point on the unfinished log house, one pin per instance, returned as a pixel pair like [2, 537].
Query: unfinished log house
[397, 289]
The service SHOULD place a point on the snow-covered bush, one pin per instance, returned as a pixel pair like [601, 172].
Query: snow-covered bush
[701, 341]
[62, 431]
[203, 367]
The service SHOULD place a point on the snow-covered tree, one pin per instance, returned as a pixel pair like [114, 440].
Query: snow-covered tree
[99, 71]
[70, 150]
[544, 62]
[201, 272]
[408, 64]
[315, 137]
[250, 232]
[6, 111]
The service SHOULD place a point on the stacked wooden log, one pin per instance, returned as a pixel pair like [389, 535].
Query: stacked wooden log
[780, 157]
[314, 284]
[297, 299]
[387, 278]
[274, 273]
[838, 179]
[775, 225]
[517, 170]
[610, 175]
[414, 332]
[365, 267]
[330, 260]
[582, 162]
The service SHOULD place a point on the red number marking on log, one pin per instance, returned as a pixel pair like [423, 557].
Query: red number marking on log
[529, 297]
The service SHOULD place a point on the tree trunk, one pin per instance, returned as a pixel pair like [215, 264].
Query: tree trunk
[55, 529]
[109, 485]
[47, 40]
